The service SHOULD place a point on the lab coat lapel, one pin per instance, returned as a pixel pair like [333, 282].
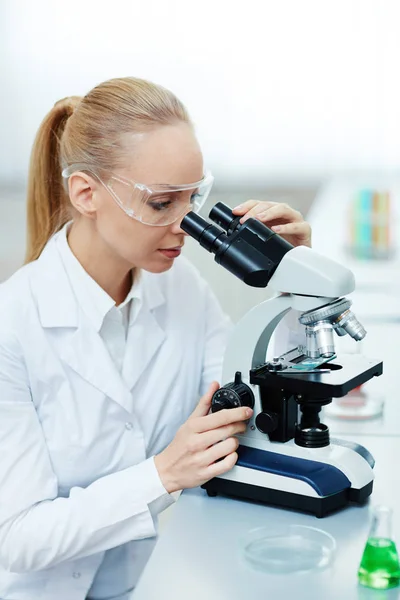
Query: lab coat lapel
[78, 344]
[145, 335]
[87, 355]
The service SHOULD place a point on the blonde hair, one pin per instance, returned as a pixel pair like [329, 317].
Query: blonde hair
[88, 130]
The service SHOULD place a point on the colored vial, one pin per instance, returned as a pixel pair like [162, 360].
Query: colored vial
[379, 568]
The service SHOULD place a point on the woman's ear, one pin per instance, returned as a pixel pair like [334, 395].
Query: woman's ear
[81, 187]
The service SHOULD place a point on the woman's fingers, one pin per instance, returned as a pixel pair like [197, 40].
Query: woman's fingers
[204, 404]
[209, 438]
[221, 419]
[243, 208]
[221, 466]
[299, 229]
[220, 450]
[298, 234]
[276, 212]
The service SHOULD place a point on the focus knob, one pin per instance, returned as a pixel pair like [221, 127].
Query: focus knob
[232, 395]
[267, 422]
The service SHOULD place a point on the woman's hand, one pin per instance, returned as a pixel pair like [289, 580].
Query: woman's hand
[279, 217]
[193, 456]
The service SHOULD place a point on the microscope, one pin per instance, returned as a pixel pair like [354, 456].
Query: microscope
[286, 456]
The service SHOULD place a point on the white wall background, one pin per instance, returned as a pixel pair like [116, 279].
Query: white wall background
[279, 89]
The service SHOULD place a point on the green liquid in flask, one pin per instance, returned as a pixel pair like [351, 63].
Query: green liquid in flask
[379, 568]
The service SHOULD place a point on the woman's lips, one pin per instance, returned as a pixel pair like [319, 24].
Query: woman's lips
[171, 252]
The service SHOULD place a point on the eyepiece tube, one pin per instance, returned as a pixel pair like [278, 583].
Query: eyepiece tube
[208, 235]
[194, 225]
[222, 215]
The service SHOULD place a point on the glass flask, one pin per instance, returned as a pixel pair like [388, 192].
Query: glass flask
[379, 568]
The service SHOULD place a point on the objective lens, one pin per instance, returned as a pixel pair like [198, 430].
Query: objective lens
[311, 344]
[349, 323]
[320, 340]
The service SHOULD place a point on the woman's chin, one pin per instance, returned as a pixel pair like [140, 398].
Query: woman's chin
[158, 266]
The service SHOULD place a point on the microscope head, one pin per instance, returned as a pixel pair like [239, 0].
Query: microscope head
[259, 257]
[251, 251]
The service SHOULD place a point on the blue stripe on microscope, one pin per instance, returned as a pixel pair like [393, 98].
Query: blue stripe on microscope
[325, 479]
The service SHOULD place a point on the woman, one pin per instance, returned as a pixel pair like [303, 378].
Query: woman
[106, 344]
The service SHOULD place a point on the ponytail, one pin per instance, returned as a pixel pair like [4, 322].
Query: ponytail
[48, 208]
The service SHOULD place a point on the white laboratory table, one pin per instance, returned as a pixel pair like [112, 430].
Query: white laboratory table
[198, 554]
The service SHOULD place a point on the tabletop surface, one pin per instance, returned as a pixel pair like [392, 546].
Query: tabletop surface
[199, 556]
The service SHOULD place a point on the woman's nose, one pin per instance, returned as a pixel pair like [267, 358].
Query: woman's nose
[176, 226]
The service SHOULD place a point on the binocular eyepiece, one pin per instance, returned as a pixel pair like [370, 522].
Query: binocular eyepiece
[249, 250]
[208, 235]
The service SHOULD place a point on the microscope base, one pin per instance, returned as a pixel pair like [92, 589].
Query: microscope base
[320, 506]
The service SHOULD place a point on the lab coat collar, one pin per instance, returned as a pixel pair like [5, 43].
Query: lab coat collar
[92, 299]
[57, 303]
[83, 349]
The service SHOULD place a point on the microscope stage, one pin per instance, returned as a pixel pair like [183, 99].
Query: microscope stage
[337, 378]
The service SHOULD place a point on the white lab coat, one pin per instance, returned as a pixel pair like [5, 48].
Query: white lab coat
[77, 475]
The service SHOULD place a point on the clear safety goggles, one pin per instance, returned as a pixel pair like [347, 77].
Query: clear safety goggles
[157, 205]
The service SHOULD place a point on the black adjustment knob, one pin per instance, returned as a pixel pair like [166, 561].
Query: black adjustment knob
[233, 395]
[267, 422]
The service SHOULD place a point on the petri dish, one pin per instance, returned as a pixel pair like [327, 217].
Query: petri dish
[290, 549]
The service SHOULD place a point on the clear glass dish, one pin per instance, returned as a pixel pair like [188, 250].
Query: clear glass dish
[290, 549]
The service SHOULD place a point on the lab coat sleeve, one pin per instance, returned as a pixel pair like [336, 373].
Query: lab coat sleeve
[39, 529]
[217, 329]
